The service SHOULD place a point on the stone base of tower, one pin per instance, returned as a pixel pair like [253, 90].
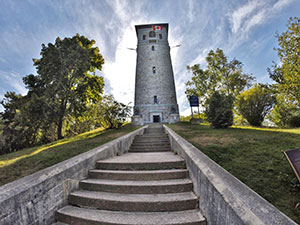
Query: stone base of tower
[155, 113]
[137, 120]
[174, 118]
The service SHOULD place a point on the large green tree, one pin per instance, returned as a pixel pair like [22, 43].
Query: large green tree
[287, 74]
[67, 80]
[255, 103]
[220, 75]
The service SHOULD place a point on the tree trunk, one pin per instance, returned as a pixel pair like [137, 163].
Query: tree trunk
[60, 120]
[59, 128]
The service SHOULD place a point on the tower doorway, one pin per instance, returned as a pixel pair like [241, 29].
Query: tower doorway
[156, 119]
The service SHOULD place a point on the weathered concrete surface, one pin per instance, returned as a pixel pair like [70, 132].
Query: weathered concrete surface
[35, 198]
[90, 216]
[151, 195]
[134, 202]
[224, 200]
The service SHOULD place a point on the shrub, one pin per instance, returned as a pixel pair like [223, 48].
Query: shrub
[294, 121]
[254, 104]
[219, 111]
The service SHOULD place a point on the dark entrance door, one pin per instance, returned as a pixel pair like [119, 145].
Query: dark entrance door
[156, 119]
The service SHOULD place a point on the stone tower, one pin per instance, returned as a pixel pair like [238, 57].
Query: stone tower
[155, 95]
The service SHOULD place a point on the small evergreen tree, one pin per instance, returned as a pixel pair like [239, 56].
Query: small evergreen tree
[219, 110]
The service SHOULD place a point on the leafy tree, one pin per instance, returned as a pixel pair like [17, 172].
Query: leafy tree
[285, 112]
[66, 79]
[287, 75]
[113, 113]
[219, 111]
[220, 75]
[255, 103]
[13, 134]
[107, 113]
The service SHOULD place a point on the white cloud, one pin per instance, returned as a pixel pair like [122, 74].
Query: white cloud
[281, 4]
[121, 72]
[14, 81]
[253, 13]
[190, 14]
[201, 58]
[239, 16]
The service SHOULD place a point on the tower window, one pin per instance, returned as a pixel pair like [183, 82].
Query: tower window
[152, 34]
[152, 48]
[153, 69]
[155, 99]
[160, 36]
[144, 37]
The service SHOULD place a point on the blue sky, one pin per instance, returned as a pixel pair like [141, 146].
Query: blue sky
[243, 29]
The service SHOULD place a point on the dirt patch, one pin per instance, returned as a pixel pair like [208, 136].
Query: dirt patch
[213, 140]
[180, 128]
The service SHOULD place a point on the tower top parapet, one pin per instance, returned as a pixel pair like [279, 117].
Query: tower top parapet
[152, 33]
[154, 26]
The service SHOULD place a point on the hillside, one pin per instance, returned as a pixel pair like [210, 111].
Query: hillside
[253, 155]
[27, 161]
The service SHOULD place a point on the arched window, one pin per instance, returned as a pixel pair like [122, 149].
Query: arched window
[152, 48]
[152, 34]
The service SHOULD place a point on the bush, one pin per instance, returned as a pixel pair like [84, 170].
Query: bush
[285, 112]
[219, 111]
[254, 104]
[294, 121]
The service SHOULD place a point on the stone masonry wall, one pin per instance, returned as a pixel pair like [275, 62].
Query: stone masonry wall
[161, 83]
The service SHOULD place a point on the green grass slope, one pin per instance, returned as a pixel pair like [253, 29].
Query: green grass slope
[27, 161]
[254, 156]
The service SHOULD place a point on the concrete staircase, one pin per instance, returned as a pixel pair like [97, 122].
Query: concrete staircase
[149, 185]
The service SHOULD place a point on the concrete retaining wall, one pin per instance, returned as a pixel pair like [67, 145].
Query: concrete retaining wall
[35, 198]
[224, 199]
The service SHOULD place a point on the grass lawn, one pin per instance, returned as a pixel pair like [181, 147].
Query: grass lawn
[253, 155]
[24, 162]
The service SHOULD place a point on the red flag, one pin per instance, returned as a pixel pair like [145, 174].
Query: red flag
[157, 27]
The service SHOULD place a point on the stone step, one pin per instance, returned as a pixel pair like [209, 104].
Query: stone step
[76, 215]
[144, 143]
[137, 187]
[158, 141]
[150, 145]
[143, 161]
[180, 164]
[153, 135]
[139, 175]
[150, 149]
[154, 144]
[147, 137]
[138, 147]
[155, 128]
[134, 202]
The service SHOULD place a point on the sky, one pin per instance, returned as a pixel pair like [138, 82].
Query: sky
[243, 29]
